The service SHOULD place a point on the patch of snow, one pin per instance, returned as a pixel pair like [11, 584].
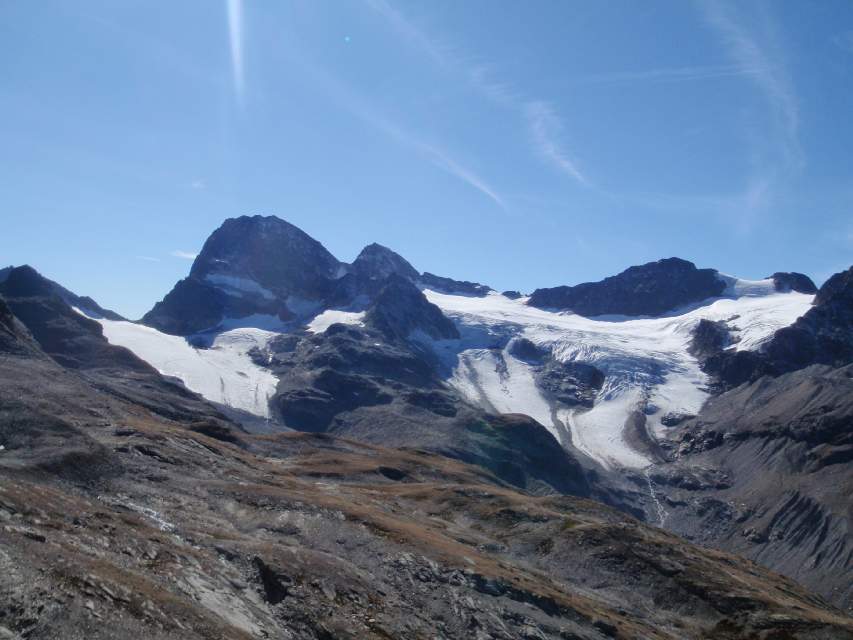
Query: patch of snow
[598, 432]
[645, 360]
[238, 286]
[223, 373]
[326, 319]
[502, 383]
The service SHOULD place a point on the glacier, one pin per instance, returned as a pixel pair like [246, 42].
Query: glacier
[645, 360]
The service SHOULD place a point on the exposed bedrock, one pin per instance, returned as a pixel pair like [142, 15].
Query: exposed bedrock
[650, 289]
[765, 470]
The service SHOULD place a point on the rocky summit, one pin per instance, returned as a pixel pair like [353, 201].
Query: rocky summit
[292, 446]
[649, 289]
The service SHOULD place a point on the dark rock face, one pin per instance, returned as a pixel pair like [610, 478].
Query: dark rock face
[709, 339]
[400, 309]
[69, 338]
[366, 277]
[823, 335]
[26, 281]
[527, 351]
[14, 336]
[650, 289]
[512, 295]
[276, 255]
[837, 290]
[77, 343]
[570, 383]
[191, 306]
[673, 419]
[801, 283]
[341, 370]
[448, 285]
[784, 446]
[377, 263]
[264, 265]
[248, 265]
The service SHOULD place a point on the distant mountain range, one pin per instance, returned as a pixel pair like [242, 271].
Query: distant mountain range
[714, 407]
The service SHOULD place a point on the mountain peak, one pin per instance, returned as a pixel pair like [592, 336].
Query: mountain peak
[26, 281]
[267, 250]
[793, 281]
[377, 262]
[838, 287]
[249, 265]
[401, 308]
[643, 290]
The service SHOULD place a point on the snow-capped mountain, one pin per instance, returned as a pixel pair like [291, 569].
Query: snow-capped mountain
[264, 266]
[606, 385]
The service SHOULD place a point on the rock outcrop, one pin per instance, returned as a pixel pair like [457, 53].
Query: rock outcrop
[646, 290]
[823, 335]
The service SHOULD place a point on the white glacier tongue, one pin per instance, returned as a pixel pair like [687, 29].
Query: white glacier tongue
[645, 361]
[223, 373]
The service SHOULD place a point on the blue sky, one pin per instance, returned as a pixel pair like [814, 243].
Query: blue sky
[520, 144]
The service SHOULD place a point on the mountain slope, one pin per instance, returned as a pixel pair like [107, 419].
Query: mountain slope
[25, 280]
[76, 342]
[119, 523]
[766, 470]
[823, 335]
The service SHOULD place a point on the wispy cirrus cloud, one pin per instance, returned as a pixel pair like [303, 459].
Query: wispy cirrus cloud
[185, 255]
[434, 152]
[669, 74]
[235, 38]
[437, 155]
[541, 118]
[545, 128]
[446, 162]
[440, 53]
[752, 42]
[758, 50]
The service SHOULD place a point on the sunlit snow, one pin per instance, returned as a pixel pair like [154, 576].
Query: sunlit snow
[238, 286]
[645, 360]
[323, 321]
[222, 373]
